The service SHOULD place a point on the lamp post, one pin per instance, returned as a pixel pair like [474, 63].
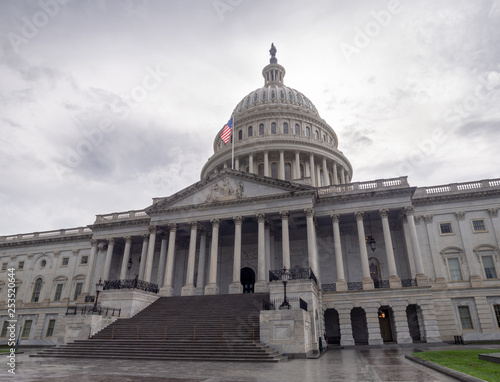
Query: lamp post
[98, 289]
[285, 276]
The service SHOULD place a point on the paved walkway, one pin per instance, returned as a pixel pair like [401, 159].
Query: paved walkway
[360, 364]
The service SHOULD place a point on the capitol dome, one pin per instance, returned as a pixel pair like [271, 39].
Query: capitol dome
[279, 133]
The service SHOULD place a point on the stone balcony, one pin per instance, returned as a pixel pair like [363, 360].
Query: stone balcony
[373, 185]
[46, 235]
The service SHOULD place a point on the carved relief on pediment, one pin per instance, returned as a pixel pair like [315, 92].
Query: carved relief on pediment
[225, 190]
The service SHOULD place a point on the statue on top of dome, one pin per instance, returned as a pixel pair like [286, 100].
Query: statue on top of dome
[273, 51]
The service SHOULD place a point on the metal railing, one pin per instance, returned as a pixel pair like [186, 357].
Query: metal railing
[275, 303]
[294, 274]
[131, 284]
[89, 309]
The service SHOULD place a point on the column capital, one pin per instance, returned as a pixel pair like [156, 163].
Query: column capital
[152, 229]
[359, 215]
[203, 230]
[111, 240]
[460, 215]
[493, 212]
[261, 218]
[58, 253]
[193, 225]
[93, 242]
[383, 213]
[74, 251]
[128, 239]
[284, 215]
[145, 236]
[238, 220]
[309, 211]
[428, 218]
[215, 223]
[408, 211]
[335, 218]
[172, 227]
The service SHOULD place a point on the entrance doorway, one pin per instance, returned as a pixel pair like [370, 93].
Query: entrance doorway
[247, 277]
[332, 326]
[359, 326]
[385, 321]
[412, 313]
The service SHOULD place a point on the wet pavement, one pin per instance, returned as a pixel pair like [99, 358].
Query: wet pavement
[360, 364]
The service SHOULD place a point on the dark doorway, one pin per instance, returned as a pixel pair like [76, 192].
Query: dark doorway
[412, 316]
[359, 327]
[247, 277]
[332, 326]
[384, 320]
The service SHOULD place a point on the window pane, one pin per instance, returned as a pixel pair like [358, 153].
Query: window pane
[36, 290]
[445, 228]
[465, 317]
[261, 169]
[274, 170]
[261, 129]
[478, 225]
[78, 290]
[57, 296]
[240, 135]
[308, 131]
[4, 329]
[489, 267]
[27, 328]
[250, 131]
[288, 171]
[456, 274]
[273, 128]
[50, 328]
[285, 128]
[496, 308]
[297, 129]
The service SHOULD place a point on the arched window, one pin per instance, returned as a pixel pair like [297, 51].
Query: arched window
[273, 128]
[240, 134]
[36, 290]
[285, 128]
[316, 134]
[324, 137]
[308, 131]
[297, 129]
[261, 129]
[274, 170]
[288, 171]
[261, 169]
[250, 131]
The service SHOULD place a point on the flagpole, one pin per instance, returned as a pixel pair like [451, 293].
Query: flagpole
[232, 136]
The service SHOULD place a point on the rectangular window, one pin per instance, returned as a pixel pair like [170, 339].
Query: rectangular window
[478, 225]
[445, 228]
[455, 272]
[465, 318]
[20, 265]
[489, 267]
[26, 328]
[57, 296]
[4, 266]
[85, 260]
[78, 290]
[65, 261]
[50, 328]
[496, 308]
[4, 329]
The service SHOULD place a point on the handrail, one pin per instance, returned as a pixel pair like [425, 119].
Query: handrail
[131, 284]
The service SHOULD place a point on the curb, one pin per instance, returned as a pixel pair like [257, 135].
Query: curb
[445, 370]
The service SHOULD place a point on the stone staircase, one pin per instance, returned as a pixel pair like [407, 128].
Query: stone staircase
[194, 328]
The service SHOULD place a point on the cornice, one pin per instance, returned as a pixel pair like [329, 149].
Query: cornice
[360, 195]
[462, 195]
[119, 223]
[45, 241]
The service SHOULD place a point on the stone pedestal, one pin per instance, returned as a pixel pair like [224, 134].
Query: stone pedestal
[341, 285]
[211, 289]
[79, 327]
[166, 292]
[261, 287]
[422, 280]
[235, 288]
[368, 283]
[188, 290]
[395, 282]
[130, 301]
[440, 283]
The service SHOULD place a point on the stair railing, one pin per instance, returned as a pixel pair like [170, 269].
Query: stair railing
[112, 331]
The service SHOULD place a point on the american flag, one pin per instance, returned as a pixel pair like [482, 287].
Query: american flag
[226, 132]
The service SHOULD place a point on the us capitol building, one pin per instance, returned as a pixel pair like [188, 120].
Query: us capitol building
[376, 261]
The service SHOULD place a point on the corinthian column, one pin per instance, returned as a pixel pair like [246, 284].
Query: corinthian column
[261, 285]
[422, 278]
[168, 289]
[212, 287]
[189, 289]
[151, 252]
[312, 251]
[107, 261]
[363, 254]
[394, 280]
[341, 284]
[236, 286]
[285, 238]
[126, 256]
[88, 277]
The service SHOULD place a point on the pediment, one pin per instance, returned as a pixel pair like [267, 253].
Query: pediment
[228, 186]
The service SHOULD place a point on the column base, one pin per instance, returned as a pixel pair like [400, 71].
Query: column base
[394, 282]
[422, 280]
[348, 342]
[166, 291]
[211, 289]
[261, 286]
[476, 282]
[188, 290]
[368, 283]
[235, 288]
[440, 283]
[341, 285]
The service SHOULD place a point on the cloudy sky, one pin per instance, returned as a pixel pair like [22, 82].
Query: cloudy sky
[106, 104]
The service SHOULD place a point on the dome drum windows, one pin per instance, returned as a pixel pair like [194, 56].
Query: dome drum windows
[240, 135]
[273, 128]
[308, 131]
[250, 131]
[261, 129]
[285, 128]
[297, 129]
